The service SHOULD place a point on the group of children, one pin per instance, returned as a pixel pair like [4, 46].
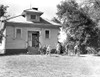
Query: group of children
[72, 49]
[47, 49]
[59, 49]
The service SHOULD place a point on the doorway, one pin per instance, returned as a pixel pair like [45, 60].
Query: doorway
[33, 42]
[35, 39]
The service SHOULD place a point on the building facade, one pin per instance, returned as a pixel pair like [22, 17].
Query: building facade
[29, 31]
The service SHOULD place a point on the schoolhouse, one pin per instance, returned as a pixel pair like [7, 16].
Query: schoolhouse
[29, 30]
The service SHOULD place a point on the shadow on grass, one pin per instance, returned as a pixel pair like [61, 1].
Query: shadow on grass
[16, 54]
[82, 56]
[12, 54]
[97, 55]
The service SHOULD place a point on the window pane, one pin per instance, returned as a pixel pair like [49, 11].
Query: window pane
[33, 16]
[18, 33]
[47, 34]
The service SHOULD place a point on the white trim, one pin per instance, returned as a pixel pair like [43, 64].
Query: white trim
[16, 31]
[31, 35]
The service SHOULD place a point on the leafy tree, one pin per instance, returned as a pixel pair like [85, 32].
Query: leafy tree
[3, 10]
[78, 24]
[92, 7]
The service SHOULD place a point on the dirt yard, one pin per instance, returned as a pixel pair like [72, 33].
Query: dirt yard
[49, 66]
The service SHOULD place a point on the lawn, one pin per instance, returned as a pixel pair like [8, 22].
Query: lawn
[49, 66]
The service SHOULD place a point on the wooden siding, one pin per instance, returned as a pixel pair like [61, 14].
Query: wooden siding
[13, 43]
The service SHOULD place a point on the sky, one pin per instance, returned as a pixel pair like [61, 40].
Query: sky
[17, 6]
[49, 7]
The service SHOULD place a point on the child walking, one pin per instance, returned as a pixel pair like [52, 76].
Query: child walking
[48, 50]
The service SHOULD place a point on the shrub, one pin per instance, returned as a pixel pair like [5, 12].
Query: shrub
[91, 50]
[42, 50]
[53, 50]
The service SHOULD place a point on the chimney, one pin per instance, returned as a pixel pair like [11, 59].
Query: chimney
[35, 8]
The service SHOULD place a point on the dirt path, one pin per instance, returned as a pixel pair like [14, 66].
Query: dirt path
[46, 66]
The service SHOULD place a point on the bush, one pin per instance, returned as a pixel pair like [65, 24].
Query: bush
[91, 50]
[53, 51]
[42, 50]
[98, 52]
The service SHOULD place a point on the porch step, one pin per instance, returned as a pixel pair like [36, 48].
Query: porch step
[32, 50]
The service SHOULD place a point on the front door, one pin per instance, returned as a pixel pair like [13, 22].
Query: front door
[33, 42]
[35, 39]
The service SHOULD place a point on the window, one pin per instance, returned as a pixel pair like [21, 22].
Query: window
[1, 38]
[47, 34]
[33, 16]
[18, 33]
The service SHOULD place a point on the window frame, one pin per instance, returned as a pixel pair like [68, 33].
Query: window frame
[16, 33]
[45, 34]
[32, 18]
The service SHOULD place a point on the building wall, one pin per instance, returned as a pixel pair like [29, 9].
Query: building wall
[13, 43]
[52, 41]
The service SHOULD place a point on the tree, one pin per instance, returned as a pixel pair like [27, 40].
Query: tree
[80, 27]
[3, 10]
[92, 7]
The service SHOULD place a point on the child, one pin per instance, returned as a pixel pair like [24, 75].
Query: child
[76, 50]
[48, 50]
[58, 48]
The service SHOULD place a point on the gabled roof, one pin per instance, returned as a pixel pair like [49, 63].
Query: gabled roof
[19, 19]
[23, 18]
[43, 21]
[46, 21]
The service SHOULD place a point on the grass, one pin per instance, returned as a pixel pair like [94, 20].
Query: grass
[49, 66]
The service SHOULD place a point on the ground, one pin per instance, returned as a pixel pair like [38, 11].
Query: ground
[49, 66]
